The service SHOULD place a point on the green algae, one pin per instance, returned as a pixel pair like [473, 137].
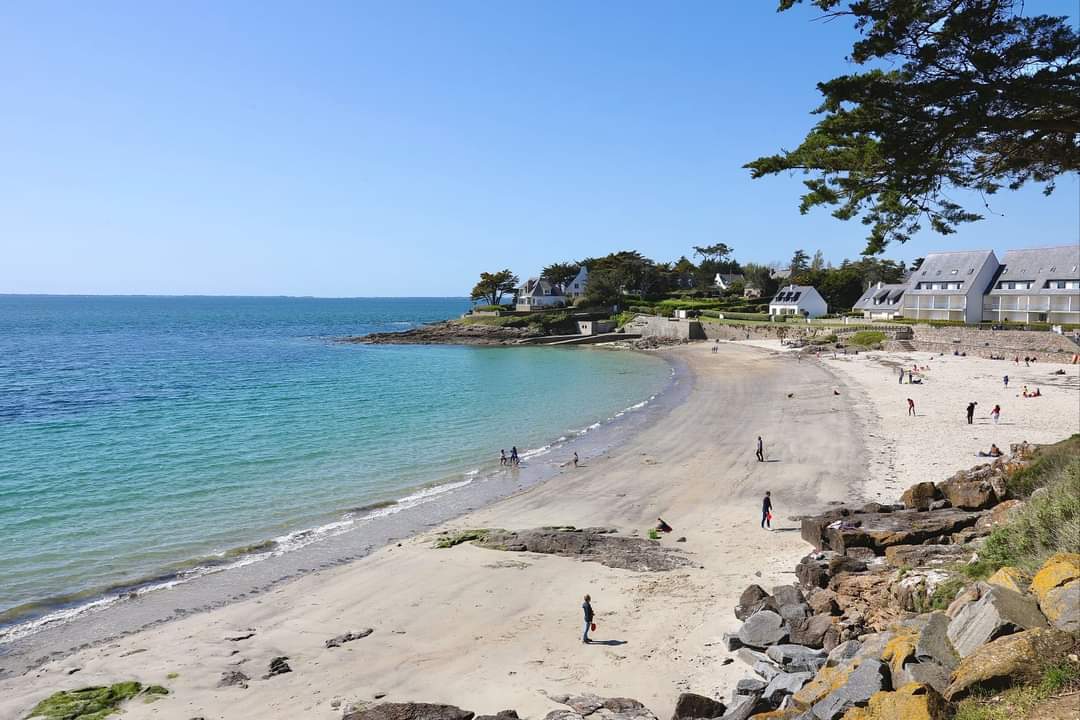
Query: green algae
[461, 537]
[92, 703]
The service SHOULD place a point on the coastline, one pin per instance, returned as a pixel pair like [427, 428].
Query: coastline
[205, 584]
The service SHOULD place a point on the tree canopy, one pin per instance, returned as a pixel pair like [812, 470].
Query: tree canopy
[493, 286]
[969, 94]
[560, 273]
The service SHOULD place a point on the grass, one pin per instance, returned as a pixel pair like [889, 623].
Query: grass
[550, 323]
[463, 536]
[1022, 701]
[866, 338]
[92, 703]
[945, 593]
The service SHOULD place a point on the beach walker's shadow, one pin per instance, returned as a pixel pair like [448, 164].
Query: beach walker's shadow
[772, 460]
[609, 643]
[786, 529]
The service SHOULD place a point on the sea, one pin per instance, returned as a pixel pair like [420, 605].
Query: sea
[150, 442]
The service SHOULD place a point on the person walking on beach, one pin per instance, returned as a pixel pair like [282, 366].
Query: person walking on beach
[514, 459]
[1006, 379]
[901, 381]
[971, 412]
[766, 510]
[995, 414]
[760, 450]
[502, 458]
[587, 607]
[575, 459]
[910, 407]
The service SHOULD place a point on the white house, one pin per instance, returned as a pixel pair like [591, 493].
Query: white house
[882, 301]
[798, 300]
[1036, 285]
[724, 281]
[950, 286]
[539, 294]
[575, 289]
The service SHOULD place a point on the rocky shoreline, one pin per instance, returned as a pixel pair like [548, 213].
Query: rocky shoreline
[450, 332]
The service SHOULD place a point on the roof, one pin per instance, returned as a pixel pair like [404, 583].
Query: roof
[730, 277]
[791, 294]
[882, 296]
[963, 266]
[539, 286]
[1038, 266]
[780, 274]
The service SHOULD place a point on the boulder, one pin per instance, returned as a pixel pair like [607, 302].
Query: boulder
[822, 601]
[899, 650]
[920, 495]
[1061, 605]
[1011, 578]
[934, 644]
[813, 571]
[233, 677]
[999, 515]
[926, 556]
[501, 715]
[766, 669]
[407, 711]
[811, 631]
[278, 666]
[940, 504]
[842, 653]
[762, 629]
[340, 640]
[998, 612]
[753, 598]
[796, 658]
[784, 684]
[969, 493]
[913, 701]
[1008, 660]
[924, 673]
[868, 678]
[750, 657]
[731, 641]
[1055, 572]
[912, 591]
[792, 612]
[745, 706]
[690, 705]
[877, 531]
[750, 686]
[964, 598]
[788, 595]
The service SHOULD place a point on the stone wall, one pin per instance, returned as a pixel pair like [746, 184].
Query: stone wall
[978, 342]
[660, 327]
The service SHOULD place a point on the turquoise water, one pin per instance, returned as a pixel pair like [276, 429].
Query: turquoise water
[141, 437]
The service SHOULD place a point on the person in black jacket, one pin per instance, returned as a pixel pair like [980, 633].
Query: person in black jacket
[766, 511]
[587, 607]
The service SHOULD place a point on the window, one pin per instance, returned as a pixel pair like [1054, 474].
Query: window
[954, 272]
[1063, 284]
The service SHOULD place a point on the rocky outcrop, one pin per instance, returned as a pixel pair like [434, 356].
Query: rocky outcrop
[599, 545]
[450, 332]
[598, 708]
[920, 495]
[1008, 661]
[407, 711]
[340, 640]
[843, 529]
[998, 612]
[913, 701]
[690, 706]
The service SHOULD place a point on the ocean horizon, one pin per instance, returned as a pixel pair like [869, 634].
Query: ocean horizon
[149, 440]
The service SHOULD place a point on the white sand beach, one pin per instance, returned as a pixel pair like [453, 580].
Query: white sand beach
[489, 630]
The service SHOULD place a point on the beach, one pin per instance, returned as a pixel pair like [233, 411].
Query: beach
[489, 630]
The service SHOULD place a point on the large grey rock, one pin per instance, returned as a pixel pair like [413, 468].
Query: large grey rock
[796, 658]
[690, 705]
[766, 669]
[822, 602]
[788, 595]
[927, 673]
[934, 643]
[813, 570]
[751, 657]
[753, 599]
[745, 706]
[762, 629]
[750, 686]
[865, 680]
[842, 529]
[785, 684]
[842, 653]
[793, 612]
[998, 612]
[408, 711]
[1062, 604]
[731, 642]
[811, 631]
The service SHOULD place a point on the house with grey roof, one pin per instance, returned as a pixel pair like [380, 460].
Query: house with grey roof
[950, 286]
[800, 300]
[1036, 285]
[882, 301]
[538, 294]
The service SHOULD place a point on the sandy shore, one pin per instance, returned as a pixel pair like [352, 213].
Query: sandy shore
[489, 630]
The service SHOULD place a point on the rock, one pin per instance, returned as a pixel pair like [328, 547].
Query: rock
[501, 715]
[966, 492]
[766, 669]
[750, 686]
[407, 711]
[1011, 578]
[233, 677]
[811, 631]
[877, 531]
[585, 704]
[813, 571]
[762, 629]
[793, 612]
[926, 556]
[923, 673]
[912, 592]
[1055, 572]
[913, 701]
[753, 599]
[998, 612]
[731, 642]
[1008, 660]
[796, 658]
[348, 637]
[278, 666]
[745, 706]
[690, 705]
[1061, 605]
[788, 595]
[865, 680]
[452, 332]
[934, 644]
[822, 601]
[784, 684]
[842, 652]
[999, 515]
[940, 505]
[920, 495]
[750, 657]
[963, 598]
[899, 650]
[589, 544]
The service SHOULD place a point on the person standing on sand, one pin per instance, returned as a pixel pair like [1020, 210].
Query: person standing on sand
[514, 459]
[760, 450]
[1006, 379]
[766, 510]
[910, 407]
[971, 412]
[995, 414]
[502, 457]
[587, 607]
[575, 460]
[901, 381]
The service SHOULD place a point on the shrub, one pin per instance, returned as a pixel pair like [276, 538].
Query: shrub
[866, 338]
[761, 317]
[491, 308]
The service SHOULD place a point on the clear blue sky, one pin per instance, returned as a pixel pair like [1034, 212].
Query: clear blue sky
[400, 147]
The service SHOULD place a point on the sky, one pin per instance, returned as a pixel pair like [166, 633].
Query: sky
[400, 148]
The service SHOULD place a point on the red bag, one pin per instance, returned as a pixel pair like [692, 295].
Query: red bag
[594, 627]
